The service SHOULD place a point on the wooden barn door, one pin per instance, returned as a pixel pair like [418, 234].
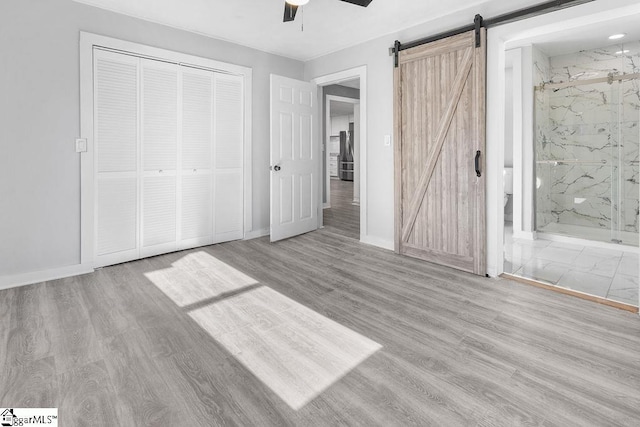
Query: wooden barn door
[439, 108]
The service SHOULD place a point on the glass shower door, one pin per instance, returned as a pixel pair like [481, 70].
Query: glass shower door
[576, 152]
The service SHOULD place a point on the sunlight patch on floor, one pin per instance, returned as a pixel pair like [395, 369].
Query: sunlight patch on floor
[293, 350]
[198, 276]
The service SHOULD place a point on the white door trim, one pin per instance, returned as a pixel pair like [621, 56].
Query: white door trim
[336, 78]
[327, 101]
[87, 191]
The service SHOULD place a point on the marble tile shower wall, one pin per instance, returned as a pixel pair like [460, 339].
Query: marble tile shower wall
[595, 126]
[541, 74]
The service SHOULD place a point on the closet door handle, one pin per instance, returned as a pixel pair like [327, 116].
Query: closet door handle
[477, 164]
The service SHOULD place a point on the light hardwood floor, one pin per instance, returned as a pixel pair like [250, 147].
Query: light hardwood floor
[215, 336]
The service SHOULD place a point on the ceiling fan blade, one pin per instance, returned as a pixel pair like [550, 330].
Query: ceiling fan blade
[363, 3]
[289, 12]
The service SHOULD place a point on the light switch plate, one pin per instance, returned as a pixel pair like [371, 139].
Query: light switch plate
[387, 140]
[81, 145]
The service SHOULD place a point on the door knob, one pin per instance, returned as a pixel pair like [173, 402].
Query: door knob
[276, 168]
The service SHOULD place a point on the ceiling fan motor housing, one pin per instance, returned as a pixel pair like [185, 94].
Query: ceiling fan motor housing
[291, 9]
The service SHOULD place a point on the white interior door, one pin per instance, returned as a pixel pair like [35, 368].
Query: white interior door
[294, 158]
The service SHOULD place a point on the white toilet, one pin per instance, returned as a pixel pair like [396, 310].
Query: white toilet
[507, 184]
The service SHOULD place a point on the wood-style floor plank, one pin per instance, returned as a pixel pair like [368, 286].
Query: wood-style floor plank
[30, 385]
[74, 341]
[30, 330]
[148, 343]
[343, 217]
[87, 397]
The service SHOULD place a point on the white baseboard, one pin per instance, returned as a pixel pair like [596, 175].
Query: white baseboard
[493, 272]
[527, 235]
[254, 234]
[376, 241]
[23, 279]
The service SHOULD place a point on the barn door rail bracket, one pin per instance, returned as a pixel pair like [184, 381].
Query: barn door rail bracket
[479, 22]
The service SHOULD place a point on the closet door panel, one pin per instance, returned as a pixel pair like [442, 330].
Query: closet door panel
[228, 207]
[228, 157]
[117, 216]
[159, 115]
[197, 119]
[116, 112]
[197, 212]
[229, 115]
[116, 157]
[159, 151]
[197, 158]
[159, 211]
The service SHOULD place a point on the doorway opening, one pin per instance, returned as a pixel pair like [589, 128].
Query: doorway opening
[343, 129]
[341, 190]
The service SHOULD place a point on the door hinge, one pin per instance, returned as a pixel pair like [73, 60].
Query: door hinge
[478, 25]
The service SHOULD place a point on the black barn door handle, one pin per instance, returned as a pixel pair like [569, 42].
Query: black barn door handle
[477, 164]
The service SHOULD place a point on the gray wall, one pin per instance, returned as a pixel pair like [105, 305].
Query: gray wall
[336, 90]
[379, 178]
[39, 120]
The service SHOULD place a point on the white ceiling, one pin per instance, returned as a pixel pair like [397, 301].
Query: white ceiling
[589, 37]
[329, 25]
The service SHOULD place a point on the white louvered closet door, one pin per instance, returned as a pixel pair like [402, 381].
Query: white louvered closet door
[228, 157]
[168, 164]
[159, 157]
[196, 225]
[116, 157]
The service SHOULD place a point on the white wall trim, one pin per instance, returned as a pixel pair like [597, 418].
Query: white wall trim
[87, 42]
[248, 151]
[327, 100]
[7, 282]
[516, 137]
[495, 119]
[527, 136]
[376, 241]
[526, 235]
[254, 234]
[337, 78]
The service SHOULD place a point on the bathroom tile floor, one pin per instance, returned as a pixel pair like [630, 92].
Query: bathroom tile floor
[606, 273]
